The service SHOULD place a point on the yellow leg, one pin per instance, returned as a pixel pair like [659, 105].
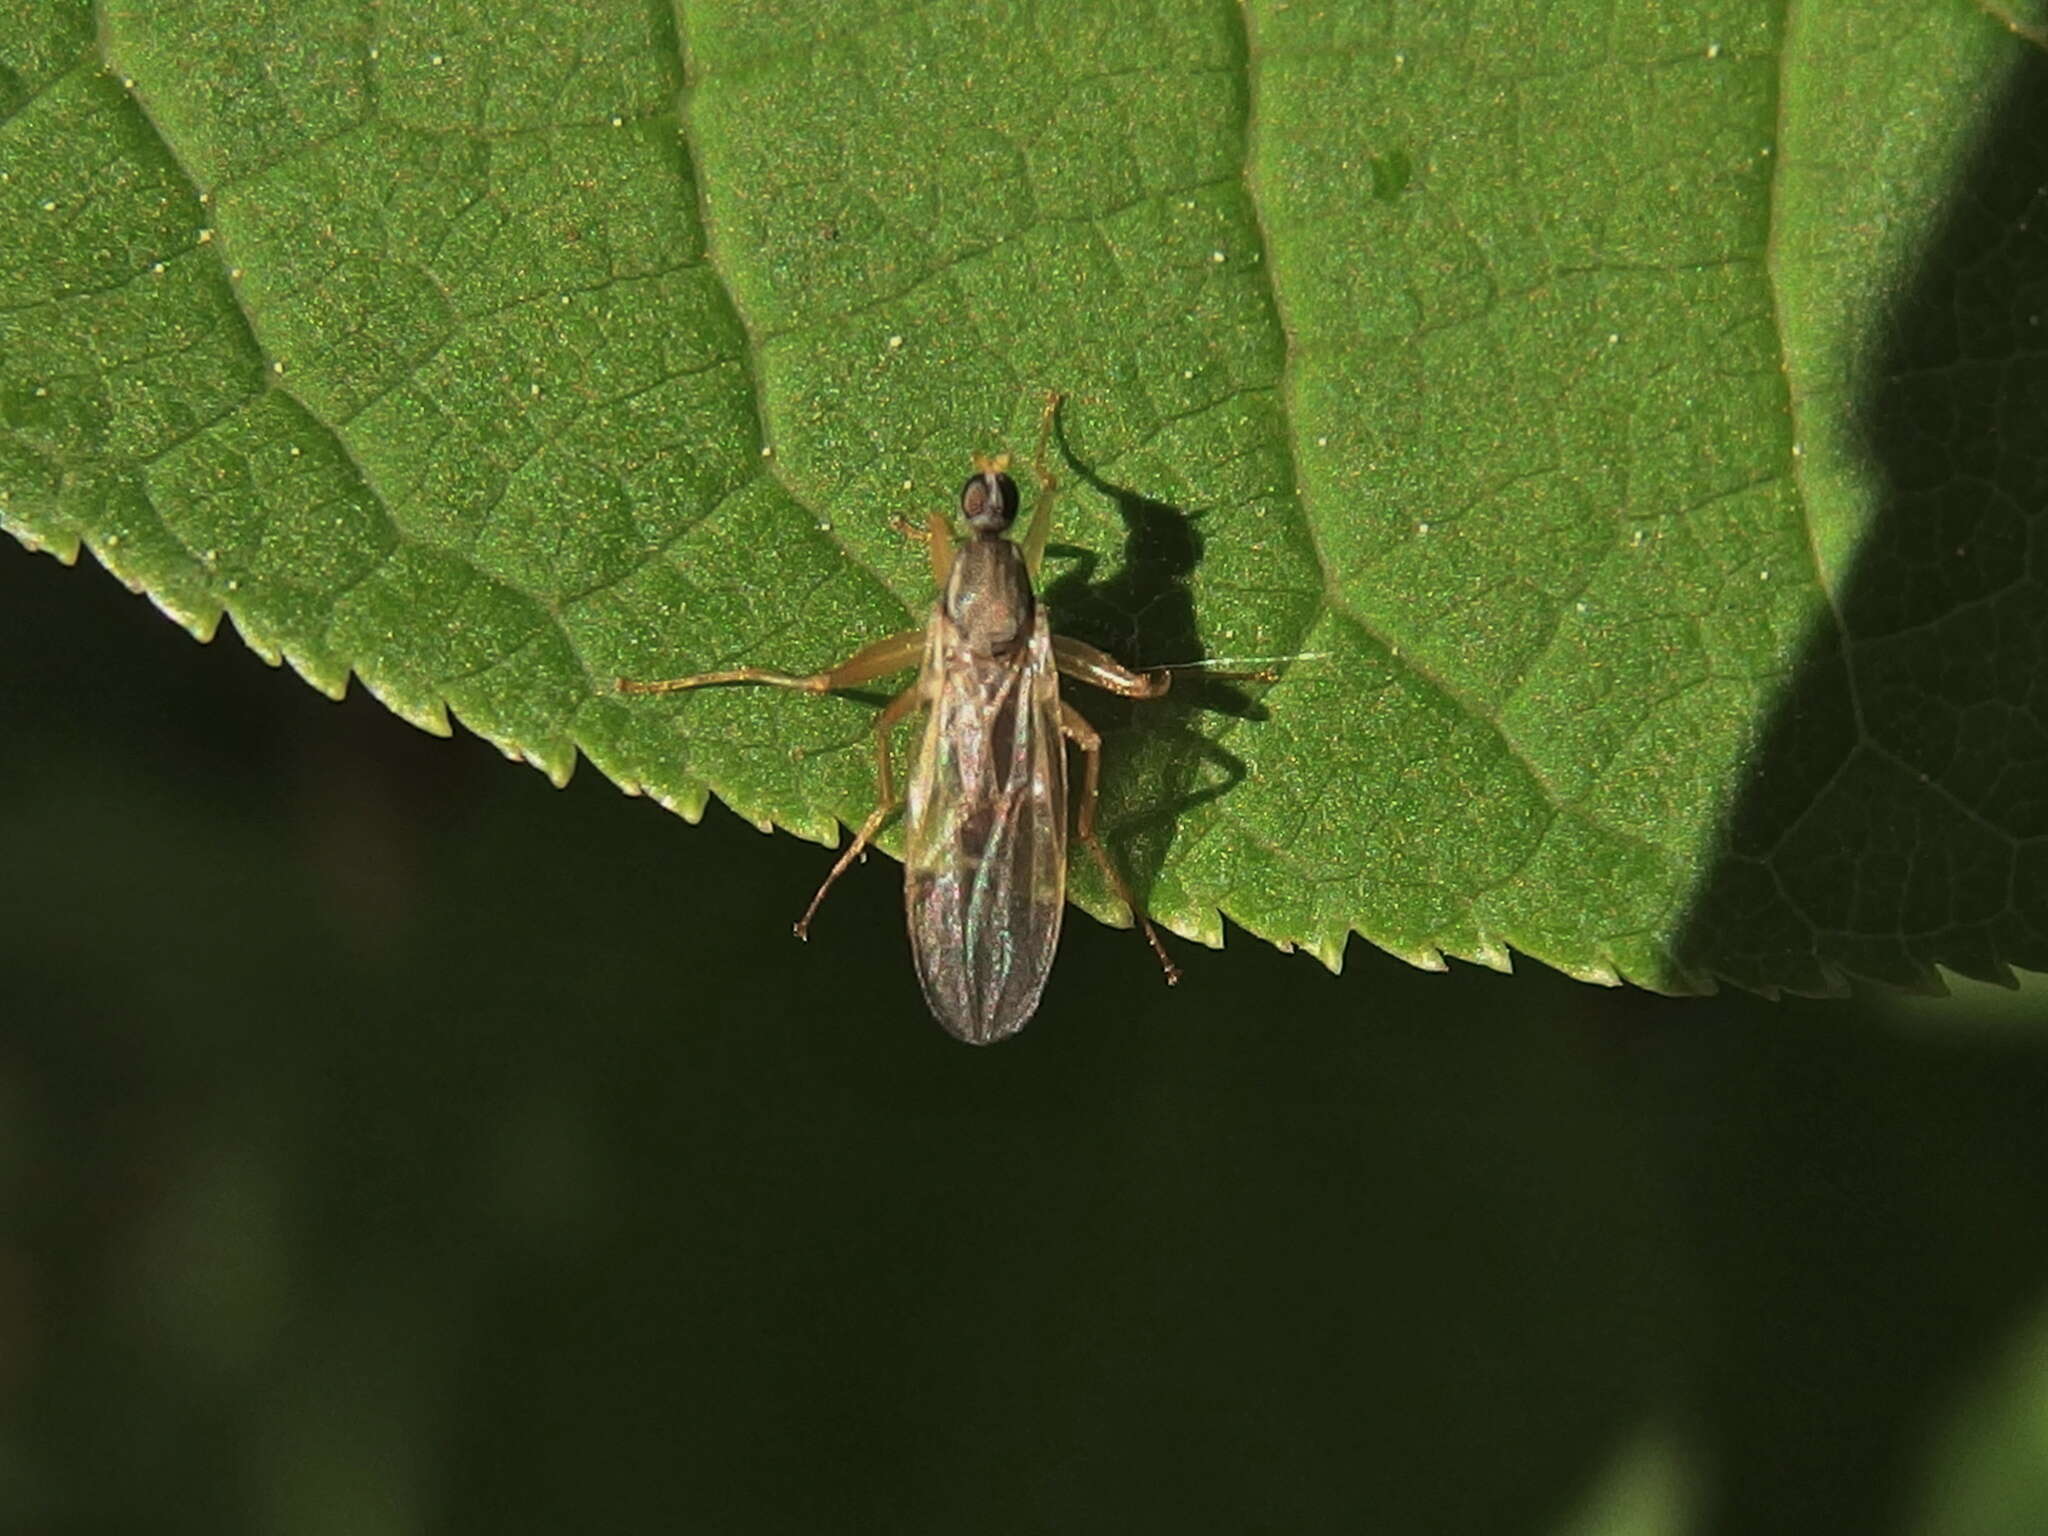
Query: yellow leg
[1085, 736]
[885, 798]
[936, 536]
[891, 654]
[1048, 488]
[938, 539]
[1106, 672]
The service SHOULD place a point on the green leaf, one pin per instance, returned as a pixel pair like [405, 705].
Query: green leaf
[1567, 384]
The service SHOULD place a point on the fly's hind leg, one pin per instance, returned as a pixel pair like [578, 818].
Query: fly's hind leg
[1106, 672]
[1077, 659]
[885, 797]
[1089, 740]
[893, 653]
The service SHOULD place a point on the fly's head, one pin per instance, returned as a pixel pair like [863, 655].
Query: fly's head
[988, 591]
[988, 501]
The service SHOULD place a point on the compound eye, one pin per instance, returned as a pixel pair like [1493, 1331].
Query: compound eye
[989, 502]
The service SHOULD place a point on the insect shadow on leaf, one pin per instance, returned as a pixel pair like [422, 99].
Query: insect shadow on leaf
[1160, 765]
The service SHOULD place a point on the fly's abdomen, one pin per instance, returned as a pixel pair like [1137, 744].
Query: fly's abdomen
[986, 857]
[983, 984]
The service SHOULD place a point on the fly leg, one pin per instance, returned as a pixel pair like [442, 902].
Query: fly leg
[885, 797]
[1040, 528]
[1089, 740]
[1106, 672]
[891, 654]
[936, 536]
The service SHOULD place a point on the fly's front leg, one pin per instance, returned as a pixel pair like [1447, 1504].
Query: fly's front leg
[936, 536]
[1048, 487]
[1089, 740]
[885, 796]
[1106, 672]
[879, 659]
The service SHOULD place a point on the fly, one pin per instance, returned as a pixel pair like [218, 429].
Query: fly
[985, 818]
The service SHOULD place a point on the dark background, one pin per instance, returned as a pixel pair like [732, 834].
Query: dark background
[391, 1142]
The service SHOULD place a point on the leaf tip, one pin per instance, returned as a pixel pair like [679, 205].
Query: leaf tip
[200, 621]
[428, 713]
[271, 655]
[689, 805]
[1329, 948]
[1198, 925]
[1424, 957]
[1494, 955]
[320, 674]
[1597, 973]
[61, 546]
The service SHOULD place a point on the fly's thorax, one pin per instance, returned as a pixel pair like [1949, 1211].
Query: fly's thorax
[988, 596]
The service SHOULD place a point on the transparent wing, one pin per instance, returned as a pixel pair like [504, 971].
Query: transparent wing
[986, 825]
